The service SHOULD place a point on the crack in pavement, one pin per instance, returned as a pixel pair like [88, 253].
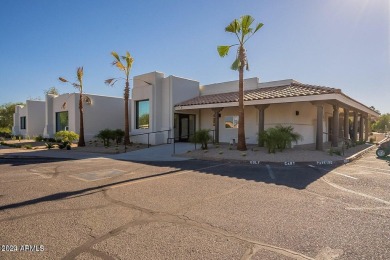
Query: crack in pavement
[149, 216]
[45, 174]
[100, 254]
[50, 212]
[250, 252]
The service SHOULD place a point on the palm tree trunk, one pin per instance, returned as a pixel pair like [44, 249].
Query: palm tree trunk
[81, 137]
[241, 143]
[127, 128]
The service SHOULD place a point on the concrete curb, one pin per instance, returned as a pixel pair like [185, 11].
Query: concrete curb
[234, 161]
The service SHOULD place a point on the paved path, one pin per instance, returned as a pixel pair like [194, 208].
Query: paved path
[156, 153]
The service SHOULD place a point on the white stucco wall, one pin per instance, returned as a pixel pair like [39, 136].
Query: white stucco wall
[35, 117]
[16, 122]
[162, 94]
[103, 112]
[285, 114]
[62, 103]
[229, 86]
[147, 87]
[20, 111]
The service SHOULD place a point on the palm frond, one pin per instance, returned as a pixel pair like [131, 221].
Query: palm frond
[223, 50]
[258, 27]
[246, 22]
[236, 64]
[80, 73]
[110, 82]
[233, 27]
[76, 86]
[119, 65]
[63, 80]
[116, 56]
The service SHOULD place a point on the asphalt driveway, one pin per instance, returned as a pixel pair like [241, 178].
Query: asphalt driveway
[110, 209]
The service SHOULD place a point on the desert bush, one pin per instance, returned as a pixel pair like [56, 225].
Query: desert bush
[203, 137]
[38, 138]
[107, 134]
[49, 145]
[279, 137]
[64, 136]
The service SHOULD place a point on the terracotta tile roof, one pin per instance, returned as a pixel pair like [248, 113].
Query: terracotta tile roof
[292, 90]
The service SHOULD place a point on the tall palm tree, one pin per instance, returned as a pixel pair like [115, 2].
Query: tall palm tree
[124, 63]
[79, 86]
[243, 31]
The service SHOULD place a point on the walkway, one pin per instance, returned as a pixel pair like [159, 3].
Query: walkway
[156, 153]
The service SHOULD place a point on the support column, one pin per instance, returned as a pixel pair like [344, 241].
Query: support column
[261, 109]
[216, 125]
[346, 123]
[361, 128]
[355, 125]
[336, 127]
[366, 128]
[320, 127]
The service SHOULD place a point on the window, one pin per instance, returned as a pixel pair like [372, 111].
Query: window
[142, 114]
[22, 122]
[231, 121]
[61, 121]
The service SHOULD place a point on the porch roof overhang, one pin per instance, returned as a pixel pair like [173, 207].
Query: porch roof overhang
[294, 92]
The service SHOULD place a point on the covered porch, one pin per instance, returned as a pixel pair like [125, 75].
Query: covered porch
[319, 114]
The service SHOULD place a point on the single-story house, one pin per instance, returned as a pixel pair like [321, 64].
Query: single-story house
[183, 106]
[61, 112]
[28, 119]
[165, 108]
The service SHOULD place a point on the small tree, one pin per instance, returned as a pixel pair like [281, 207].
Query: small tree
[203, 137]
[279, 137]
[79, 86]
[243, 31]
[123, 63]
[67, 136]
[52, 91]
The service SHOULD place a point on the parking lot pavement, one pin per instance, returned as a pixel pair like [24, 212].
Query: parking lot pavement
[109, 209]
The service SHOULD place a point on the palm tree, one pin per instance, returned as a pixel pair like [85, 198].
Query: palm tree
[124, 63]
[79, 86]
[243, 30]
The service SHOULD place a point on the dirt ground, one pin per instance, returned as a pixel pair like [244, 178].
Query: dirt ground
[91, 147]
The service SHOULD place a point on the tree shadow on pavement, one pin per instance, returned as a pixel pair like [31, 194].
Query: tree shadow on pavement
[298, 177]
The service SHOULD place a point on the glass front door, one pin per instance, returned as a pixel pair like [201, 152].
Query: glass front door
[184, 127]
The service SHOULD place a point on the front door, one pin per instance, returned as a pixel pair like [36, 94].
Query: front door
[184, 127]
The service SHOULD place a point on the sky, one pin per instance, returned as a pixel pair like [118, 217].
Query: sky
[341, 44]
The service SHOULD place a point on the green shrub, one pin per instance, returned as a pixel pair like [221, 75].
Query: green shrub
[118, 135]
[27, 146]
[67, 136]
[279, 137]
[38, 138]
[107, 134]
[49, 145]
[203, 137]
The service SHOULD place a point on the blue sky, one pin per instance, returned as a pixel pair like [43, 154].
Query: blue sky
[343, 44]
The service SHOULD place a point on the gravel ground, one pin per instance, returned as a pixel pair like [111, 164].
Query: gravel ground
[254, 153]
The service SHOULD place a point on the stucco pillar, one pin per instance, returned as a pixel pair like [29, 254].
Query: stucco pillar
[261, 109]
[361, 128]
[49, 129]
[346, 123]
[216, 126]
[16, 116]
[336, 127]
[320, 127]
[355, 125]
[366, 128]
